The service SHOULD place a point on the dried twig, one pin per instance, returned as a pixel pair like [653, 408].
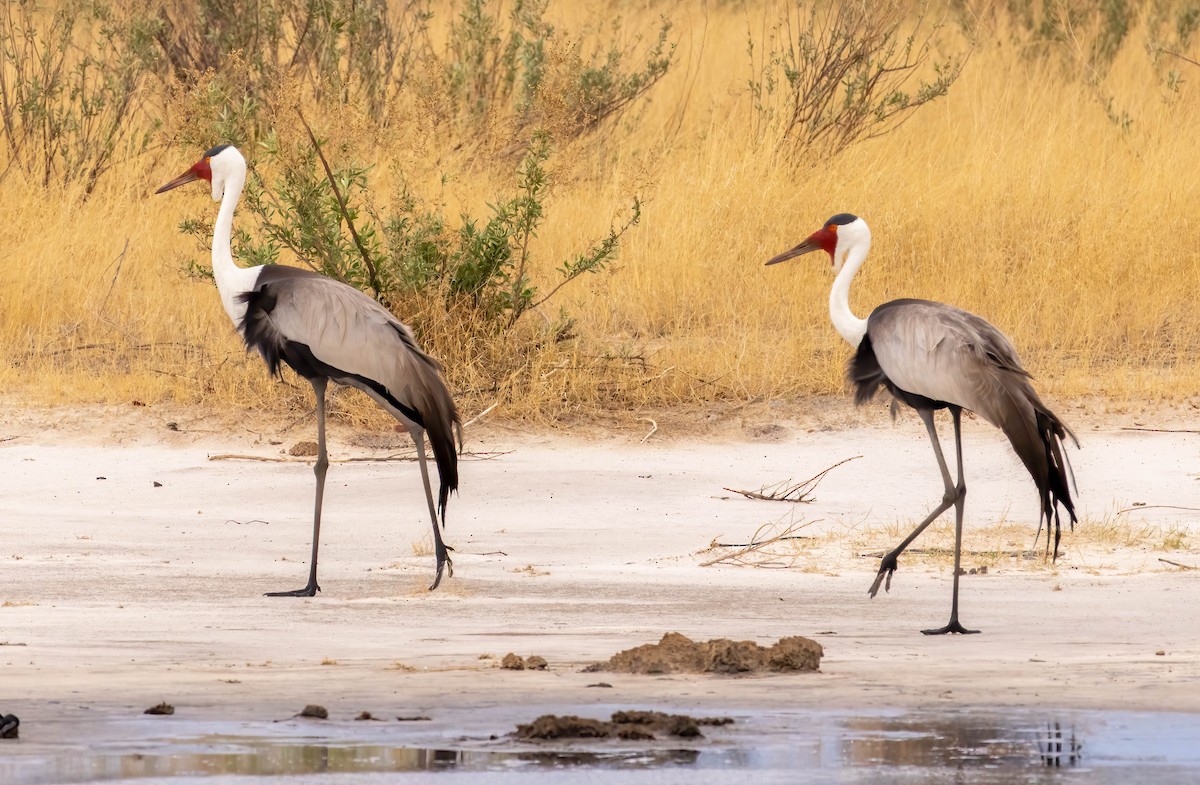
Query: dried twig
[183, 345]
[337, 192]
[1181, 57]
[119, 261]
[715, 544]
[1177, 564]
[758, 547]
[1138, 507]
[1161, 430]
[653, 429]
[482, 456]
[480, 416]
[1016, 554]
[787, 492]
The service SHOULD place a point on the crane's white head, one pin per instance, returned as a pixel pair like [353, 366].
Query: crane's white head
[218, 165]
[837, 237]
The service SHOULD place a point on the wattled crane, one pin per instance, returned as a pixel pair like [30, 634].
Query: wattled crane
[327, 330]
[932, 356]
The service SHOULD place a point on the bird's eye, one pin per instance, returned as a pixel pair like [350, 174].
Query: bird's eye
[832, 228]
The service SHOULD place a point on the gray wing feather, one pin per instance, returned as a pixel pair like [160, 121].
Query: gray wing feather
[948, 354]
[360, 343]
[348, 330]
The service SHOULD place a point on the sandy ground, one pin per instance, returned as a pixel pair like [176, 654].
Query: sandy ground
[133, 567]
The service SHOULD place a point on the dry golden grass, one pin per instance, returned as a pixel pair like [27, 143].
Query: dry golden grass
[1015, 197]
[1112, 542]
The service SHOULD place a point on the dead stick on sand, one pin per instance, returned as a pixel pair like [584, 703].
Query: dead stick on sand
[749, 544]
[1158, 507]
[1162, 430]
[756, 545]
[1177, 564]
[797, 493]
[479, 416]
[483, 456]
[653, 428]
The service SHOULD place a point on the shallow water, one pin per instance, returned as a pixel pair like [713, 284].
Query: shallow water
[970, 747]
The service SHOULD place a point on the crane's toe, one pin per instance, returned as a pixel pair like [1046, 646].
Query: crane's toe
[308, 591]
[884, 576]
[443, 562]
[953, 627]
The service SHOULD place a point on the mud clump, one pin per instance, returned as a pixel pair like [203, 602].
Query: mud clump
[628, 725]
[677, 653]
[515, 662]
[303, 449]
[163, 708]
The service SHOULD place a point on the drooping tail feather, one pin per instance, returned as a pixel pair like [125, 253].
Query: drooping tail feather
[1038, 442]
[441, 427]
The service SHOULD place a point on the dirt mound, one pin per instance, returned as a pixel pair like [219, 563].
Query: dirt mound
[676, 653]
[515, 662]
[630, 725]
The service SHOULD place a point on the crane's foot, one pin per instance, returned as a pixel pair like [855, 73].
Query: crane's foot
[443, 562]
[954, 627]
[886, 568]
[308, 591]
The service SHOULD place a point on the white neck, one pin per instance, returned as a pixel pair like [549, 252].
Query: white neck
[845, 322]
[231, 279]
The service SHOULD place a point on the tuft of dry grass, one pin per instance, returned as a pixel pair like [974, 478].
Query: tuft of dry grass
[1016, 196]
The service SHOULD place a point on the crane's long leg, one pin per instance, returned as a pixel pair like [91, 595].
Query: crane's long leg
[439, 548]
[319, 469]
[888, 565]
[959, 503]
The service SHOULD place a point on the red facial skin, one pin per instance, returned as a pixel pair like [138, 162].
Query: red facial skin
[202, 169]
[824, 239]
[198, 171]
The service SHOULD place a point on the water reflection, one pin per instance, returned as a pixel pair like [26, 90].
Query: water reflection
[1052, 753]
[282, 759]
[957, 740]
[969, 746]
[239, 758]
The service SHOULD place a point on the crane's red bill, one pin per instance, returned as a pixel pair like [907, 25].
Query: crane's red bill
[199, 171]
[821, 240]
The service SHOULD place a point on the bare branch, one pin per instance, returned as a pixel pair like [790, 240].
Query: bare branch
[342, 204]
[786, 491]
